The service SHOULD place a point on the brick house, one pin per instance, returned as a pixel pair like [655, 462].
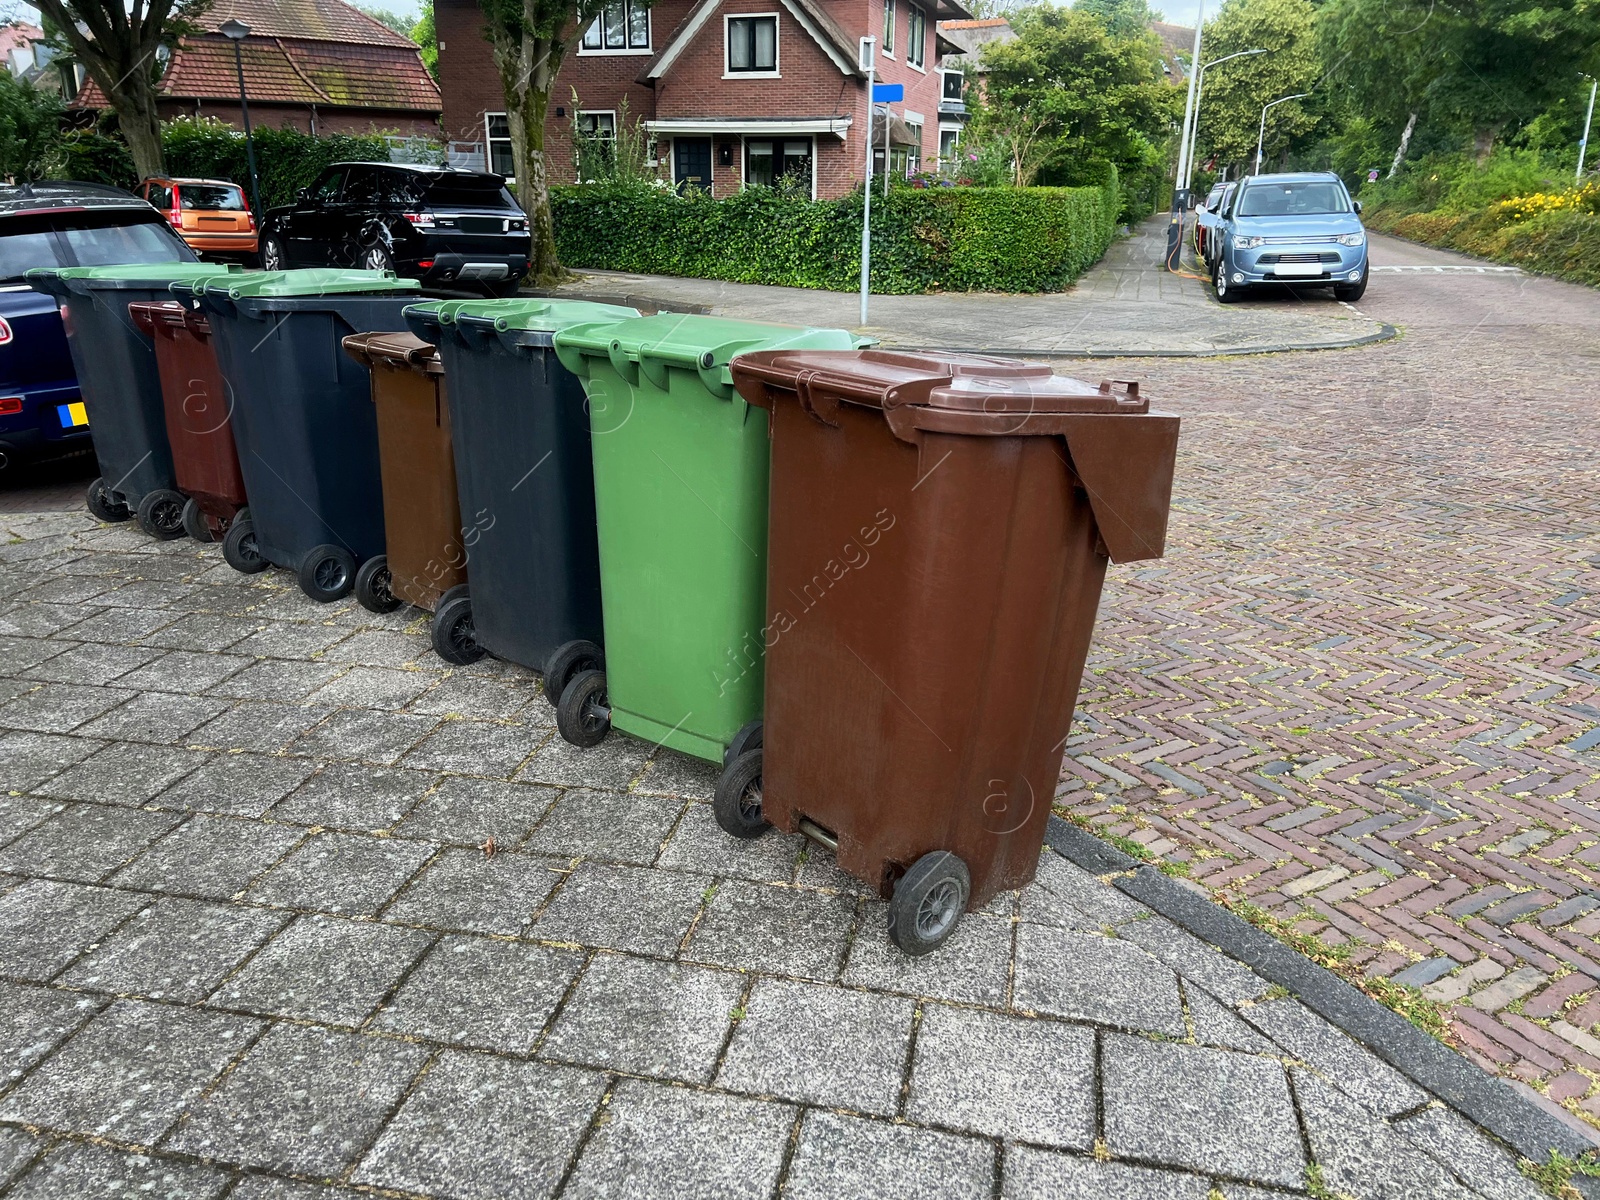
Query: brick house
[731, 92]
[319, 66]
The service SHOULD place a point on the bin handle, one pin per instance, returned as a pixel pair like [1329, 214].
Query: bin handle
[622, 364]
[821, 405]
[651, 366]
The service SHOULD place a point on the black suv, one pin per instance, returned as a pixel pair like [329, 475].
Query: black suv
[428, 223]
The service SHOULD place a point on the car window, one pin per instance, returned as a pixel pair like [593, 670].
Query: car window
[160, 196]
[469, 191]
[101, 245]
[22, 251]
[211, 197]
[360, 186]
[396, 187]
[1293, 199]
[327, 188]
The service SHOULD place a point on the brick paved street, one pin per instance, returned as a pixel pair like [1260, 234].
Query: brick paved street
[251, 945]
[1361, 686]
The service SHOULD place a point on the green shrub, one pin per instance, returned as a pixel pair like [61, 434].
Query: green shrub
[923, 239]
[92, 157]
[1565, 244]
[1459, 183]
[286, 159]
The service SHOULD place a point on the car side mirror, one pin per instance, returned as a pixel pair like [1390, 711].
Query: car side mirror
[304, 195]
[1356, 204]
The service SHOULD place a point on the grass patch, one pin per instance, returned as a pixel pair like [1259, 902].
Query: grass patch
[1407, 1001]
[1555, 1176]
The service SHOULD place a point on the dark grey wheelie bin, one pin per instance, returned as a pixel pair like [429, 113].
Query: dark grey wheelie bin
[525, 479]
[302, 416]
[116, 366]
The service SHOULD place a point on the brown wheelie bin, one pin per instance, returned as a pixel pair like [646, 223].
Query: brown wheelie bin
[938, 535]
[425, 556]
[197, 404]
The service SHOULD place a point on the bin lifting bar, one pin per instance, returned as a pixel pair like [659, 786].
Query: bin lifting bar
[818, 834]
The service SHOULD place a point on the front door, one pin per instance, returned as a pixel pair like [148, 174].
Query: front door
[692, 163]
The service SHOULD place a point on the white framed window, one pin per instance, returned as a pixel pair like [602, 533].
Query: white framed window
[623, 27]
[497, 137]
[888, 28]
[916, 37]
[597, 135]
[752, 46]
[952, 87]
[949, 142]
[768, 160]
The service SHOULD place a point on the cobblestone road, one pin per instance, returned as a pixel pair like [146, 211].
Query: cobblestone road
[252, 946]
[1361, 686]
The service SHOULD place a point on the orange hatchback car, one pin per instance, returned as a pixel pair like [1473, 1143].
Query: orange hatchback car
[210, 214]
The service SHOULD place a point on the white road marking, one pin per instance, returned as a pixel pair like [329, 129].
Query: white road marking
[1451, 269]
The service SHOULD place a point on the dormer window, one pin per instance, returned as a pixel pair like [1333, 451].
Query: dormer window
[622, 27]
[753, 44]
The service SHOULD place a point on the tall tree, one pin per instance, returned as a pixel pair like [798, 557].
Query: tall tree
[1064, 91]
[30, 126]
[1122, 18]
[118, 41]
[529, 39]
[426, 35]
[1235, 92]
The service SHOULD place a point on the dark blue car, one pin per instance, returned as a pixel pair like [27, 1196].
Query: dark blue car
[59, 224]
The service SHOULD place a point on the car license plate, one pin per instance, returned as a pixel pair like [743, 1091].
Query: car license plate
[73, 416]
[1297, 269]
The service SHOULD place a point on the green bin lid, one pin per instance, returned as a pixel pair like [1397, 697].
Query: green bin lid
[703, 344]
[516, 313]
[150, 274]
[310, 281]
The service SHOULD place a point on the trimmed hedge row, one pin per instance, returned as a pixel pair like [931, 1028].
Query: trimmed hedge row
[923, 239]
[1563, 244]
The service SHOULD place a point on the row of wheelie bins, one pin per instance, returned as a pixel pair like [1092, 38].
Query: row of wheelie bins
[862, 582]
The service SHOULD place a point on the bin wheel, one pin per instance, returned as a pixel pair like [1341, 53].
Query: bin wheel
[748, 738]
[565, 661]
[584, 715]
[102, 507]
[374, 585]
[194, 522]
[242, 515]
[928, 901]
[241, 550]
[737, 803]
[452, 633]
[327, 573]
[161, 514]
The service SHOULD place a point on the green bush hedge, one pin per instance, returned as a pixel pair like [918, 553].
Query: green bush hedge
[286, 160]
[1563, 244]
[923, 239]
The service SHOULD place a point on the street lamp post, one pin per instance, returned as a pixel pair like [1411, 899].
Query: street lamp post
[1194, 131]
[1261, 134]
[1583, 142]
[236, 31]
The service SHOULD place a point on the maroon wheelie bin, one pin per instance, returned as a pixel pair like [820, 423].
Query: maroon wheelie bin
[197, 404]
[938, 534]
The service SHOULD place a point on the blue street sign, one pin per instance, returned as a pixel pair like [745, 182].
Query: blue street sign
[883, 93]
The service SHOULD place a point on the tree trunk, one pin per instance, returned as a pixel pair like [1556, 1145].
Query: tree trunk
[1483, 140]
[528, 67]
[141, 129]
[1405, 140]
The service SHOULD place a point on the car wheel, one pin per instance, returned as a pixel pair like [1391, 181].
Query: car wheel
[377, 258]
[272, 256]
[1227, 293]
[1351, 292]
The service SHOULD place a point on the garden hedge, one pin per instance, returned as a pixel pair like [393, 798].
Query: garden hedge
[923, 239]
[1563, 244]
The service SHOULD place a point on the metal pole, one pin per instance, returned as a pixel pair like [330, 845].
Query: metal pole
[1188, 108]
[1261, 134]
[1583, 142]
[868, 47]
[886, 149]
[1199, 91]
[249, 142]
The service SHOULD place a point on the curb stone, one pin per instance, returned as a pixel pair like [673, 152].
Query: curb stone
[1481, 1097]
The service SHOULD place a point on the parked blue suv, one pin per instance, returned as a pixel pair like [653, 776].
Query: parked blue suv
[1297, 229]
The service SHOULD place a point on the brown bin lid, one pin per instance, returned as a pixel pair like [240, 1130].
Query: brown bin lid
[394, 350]
[147, 314]
[1121, 452]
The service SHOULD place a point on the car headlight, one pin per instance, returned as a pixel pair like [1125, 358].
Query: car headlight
[1245, 242]
[1352, 239]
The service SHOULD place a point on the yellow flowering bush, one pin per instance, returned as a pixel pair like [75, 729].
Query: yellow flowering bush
[1576, 199]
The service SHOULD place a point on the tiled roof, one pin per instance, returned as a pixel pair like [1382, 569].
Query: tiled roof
[303, 20]
[15, 35]
[284, 71]
[984, 24]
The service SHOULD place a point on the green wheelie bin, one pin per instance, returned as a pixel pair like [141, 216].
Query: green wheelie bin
[680, 481]
[116, 365]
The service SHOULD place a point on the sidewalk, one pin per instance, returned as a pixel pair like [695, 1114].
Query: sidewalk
[250, 942]
[1126, 305]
